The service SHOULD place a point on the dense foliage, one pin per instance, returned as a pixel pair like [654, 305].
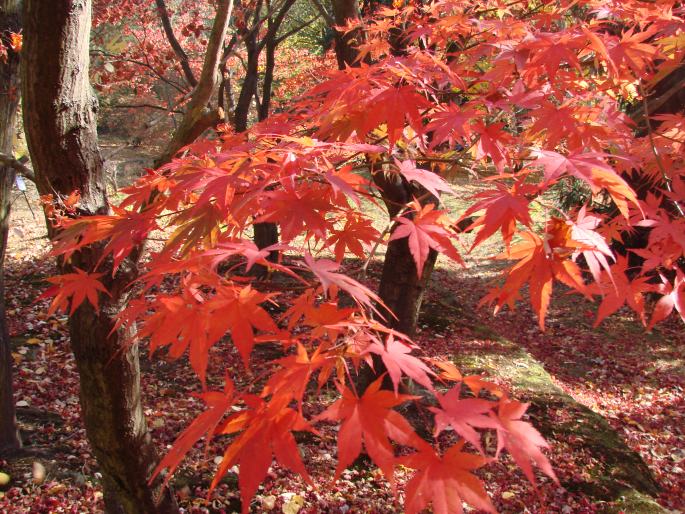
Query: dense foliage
[524, 94]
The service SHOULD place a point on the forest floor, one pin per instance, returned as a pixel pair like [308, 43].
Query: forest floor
[634, 380]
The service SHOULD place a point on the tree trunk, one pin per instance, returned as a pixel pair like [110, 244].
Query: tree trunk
[401, 289]
[344, 12]
[9, 100]
[60, 123]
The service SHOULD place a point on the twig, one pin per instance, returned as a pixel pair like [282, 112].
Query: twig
[20, 167]
[659, 163]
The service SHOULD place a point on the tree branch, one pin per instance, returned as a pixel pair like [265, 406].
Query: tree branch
[20, 167]
[322, 10]
[198, 113]
[144, 106]
[297, 29]
[175, 45]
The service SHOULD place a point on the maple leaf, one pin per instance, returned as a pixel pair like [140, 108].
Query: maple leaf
[74, 288]
[450, 125]
[397, 359]
[617, 290]
[445, 481]
[503, 208]
[218, 404]
[372, 421]
[631, 51]
[521, 439]
[596, 249]
[540, 262]
[296, 371]
[430, 181]
[492, 142]
[265, 431]
[392, 106]
[326, 319]
[551, 49]
[463, 416]
[325, 270]
[357, 233]
[592, 169]
[425, 232]
[673, 298]
[180, 322]
[239, 310]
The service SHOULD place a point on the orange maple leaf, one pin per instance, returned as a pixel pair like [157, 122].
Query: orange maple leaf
[74, 288]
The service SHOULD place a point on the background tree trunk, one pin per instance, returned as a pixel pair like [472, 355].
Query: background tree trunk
[9, 101]
[344, 12]
[60, 123]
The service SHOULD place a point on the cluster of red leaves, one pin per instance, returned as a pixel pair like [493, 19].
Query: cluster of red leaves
[529, 92]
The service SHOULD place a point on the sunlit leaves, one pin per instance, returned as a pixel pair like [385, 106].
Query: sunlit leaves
[372, 422]
[445, 481]
[71, 289]
[424, 231]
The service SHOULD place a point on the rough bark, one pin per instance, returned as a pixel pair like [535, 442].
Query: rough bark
[9, 100]
[199, 114]
[60, 123]
[400, 288]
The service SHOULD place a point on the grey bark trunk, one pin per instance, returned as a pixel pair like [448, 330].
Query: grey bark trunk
[9, 101]
[60, 123]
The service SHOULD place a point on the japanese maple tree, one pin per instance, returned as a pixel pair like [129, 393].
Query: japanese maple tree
[525, 94]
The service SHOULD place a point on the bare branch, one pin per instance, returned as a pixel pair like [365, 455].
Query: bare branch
[323, 12]
[175, 45]
[198, 115]
[19, 166]
[145, 106]
[297, 29]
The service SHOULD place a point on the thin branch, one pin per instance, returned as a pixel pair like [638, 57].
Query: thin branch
[323, 12]
[294, 31]
[175, 45]
[145, 65]
[659, 163]
[198, 117]
[19, 166]
[144, 106]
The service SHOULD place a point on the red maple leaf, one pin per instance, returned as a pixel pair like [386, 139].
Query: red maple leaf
[445, 481]
[372, 421]
[521, 440]
[540, 262]
[397, 358]
[503, 208]
[425, 232]
[591, 167]
[265, 431]
[673, 298]
[463, 416]
[218, 404]
[432, 182]
[617, 290]
[325, 270]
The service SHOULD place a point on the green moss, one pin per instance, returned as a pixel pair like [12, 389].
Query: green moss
[620, 476]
